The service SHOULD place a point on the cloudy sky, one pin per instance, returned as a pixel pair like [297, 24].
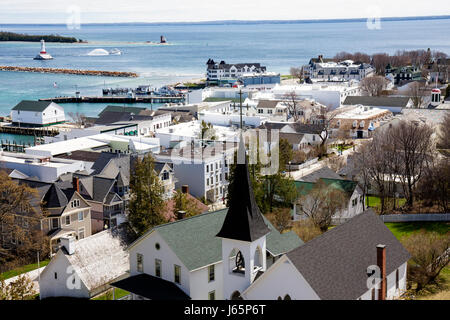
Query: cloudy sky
[109, 11]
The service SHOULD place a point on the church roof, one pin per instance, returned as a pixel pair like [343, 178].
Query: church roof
[244, 220]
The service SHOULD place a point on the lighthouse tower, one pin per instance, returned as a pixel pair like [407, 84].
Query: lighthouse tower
[43, 55]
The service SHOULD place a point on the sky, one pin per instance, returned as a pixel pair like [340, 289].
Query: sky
[115, 11]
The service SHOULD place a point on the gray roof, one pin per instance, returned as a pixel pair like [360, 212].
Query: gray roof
[194, 240]
[135, 110]
[323, 172]
[335, 263]
[29, 105]
[267, 104]
[101, 258]
[292, 138]
[377, 101]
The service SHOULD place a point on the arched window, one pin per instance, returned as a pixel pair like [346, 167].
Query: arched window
[287, 297]
[258, 262]
[236, 296]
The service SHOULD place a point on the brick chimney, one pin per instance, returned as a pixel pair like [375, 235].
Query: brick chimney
[76, 184]
[381, 263]
[185, 188]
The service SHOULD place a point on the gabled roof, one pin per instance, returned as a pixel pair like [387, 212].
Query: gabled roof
[100, 258]
[29, 105]
[347, 186]
[194, 241]
[244, 220]
[335, 263]
[55, 197]
[377, 101]
[292, 138]
[270, 104]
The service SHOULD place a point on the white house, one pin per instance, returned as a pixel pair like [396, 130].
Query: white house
[339, 265]
[37, 114]
[85, 268]
[320, 69]
[393, 104]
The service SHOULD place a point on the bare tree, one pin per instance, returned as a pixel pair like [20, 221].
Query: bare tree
[379, 62]
[361, 160]
[20, 289]
[430, 254]
[291, 101]
[306, 230]
[322, 203]
[373, 86]
[79, 119]
[281, 218]
[415, 148]
[417, 93]
[297, 73]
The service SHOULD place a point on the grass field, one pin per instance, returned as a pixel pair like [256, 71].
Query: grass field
[376, 202]
[23, 269]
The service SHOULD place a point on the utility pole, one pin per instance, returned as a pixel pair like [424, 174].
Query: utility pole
[240, 105]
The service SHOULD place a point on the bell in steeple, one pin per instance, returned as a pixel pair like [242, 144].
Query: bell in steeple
[243, 233]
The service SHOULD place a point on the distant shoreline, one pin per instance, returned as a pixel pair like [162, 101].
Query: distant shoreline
[12, 36]
[71, 71]
[237, 22]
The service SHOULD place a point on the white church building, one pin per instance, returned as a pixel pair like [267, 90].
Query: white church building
[236, 253]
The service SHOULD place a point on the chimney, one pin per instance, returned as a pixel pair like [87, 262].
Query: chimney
[185, 188]
[381, 263]
[181, 215]
[68, 243]
[76, 184]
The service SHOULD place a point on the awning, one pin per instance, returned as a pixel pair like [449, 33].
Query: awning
[151, 287]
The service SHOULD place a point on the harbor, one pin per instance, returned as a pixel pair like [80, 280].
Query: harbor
[117, 99]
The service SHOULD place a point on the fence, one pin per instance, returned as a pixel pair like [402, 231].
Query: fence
[303, 165]
[416, 217]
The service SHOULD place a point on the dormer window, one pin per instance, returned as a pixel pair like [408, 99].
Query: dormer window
[361, 124]
[355, 124]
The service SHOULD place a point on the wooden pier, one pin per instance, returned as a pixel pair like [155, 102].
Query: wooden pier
[115, 99]
[24, 131]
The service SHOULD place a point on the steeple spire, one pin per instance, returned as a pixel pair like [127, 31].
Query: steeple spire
[244, 220]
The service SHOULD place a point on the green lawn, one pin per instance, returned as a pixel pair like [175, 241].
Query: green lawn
[108, 295]
[23, 269]
[376, 201]
[402, 229]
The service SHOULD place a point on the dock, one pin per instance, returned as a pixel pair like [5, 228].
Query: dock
[33, 131]
[115, 99]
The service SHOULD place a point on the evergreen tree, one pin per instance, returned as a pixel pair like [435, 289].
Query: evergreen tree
[146, 201]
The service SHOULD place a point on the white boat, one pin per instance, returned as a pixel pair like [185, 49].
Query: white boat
[43, 55]
[115, 52]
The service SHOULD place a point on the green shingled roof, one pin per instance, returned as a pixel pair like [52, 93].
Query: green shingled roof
[29, 105]
[346, 186]
[194, 241]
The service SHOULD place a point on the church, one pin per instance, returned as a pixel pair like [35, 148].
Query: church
[236, 253]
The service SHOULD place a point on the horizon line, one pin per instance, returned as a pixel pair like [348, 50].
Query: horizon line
[274, 21]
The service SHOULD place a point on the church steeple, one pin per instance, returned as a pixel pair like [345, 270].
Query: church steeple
[244, 220]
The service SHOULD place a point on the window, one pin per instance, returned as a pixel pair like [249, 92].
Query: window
[55, 223]
[80, 216]
[157, 246]
[177, 274]
[212, 295]
[211, 273]
[354, 202]
[139, 262]
[80, 233]
[207, 168]
[67, 220]
[207, 181]
[165, 175]
[158, 268]
[75, 203]
[397, 278]
[56, 275]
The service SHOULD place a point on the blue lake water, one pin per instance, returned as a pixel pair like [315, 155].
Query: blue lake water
[278, 46]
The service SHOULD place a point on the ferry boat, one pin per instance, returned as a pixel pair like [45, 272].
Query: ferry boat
[43, 55]
[115, 52]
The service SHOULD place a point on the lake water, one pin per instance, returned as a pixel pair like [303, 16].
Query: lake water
[277, 46]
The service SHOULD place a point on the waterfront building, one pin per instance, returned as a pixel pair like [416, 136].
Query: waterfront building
[217, 72]
[320, 69]
[37, 114]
